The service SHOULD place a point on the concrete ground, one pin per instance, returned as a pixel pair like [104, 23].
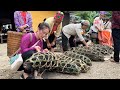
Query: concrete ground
[99, 70]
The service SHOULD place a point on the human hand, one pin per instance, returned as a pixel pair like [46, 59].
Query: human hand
[21, 28]
[24, 31]
[25, 26]
[48, 45]
[86, 46]
[45, 51]
[38, 48]
[53, 43]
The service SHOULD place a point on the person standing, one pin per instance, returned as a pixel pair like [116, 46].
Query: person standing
[23, 21]
[116, 34]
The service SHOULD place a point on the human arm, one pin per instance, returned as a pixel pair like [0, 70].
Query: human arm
[29, 21]
[25, 41]
[38, 48]
[45, 50]
[79, 31]
[16, 20]
[57, 34]
[58, 31]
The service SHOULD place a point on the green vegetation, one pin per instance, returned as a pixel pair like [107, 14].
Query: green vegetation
[88, 15]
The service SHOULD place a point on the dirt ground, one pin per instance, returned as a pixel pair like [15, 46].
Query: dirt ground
[98, 70]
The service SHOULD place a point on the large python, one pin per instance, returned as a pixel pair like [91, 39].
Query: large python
[79, 56]
[66, 62]
[42, 60]
[95, 52]
[58, 63]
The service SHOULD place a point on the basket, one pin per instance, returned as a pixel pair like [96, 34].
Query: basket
[13, 42]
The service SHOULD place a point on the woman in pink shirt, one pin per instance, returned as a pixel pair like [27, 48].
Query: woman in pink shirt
[28, 46]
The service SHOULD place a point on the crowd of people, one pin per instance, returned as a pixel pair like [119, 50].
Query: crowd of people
[102, 31]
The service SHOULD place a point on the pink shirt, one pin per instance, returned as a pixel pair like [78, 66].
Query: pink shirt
[26, 43]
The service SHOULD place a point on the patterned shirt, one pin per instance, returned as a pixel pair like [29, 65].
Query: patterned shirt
[97, 23]
[23, 14]
[19, 21]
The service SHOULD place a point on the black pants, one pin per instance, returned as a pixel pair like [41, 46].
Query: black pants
[25, 56]
[65, 42]
[50, 38]
[116, 41]
[95, 40]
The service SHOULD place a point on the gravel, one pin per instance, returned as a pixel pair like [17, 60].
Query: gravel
[98, 70]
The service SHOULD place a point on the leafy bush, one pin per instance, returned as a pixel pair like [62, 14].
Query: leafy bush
[89, 15]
